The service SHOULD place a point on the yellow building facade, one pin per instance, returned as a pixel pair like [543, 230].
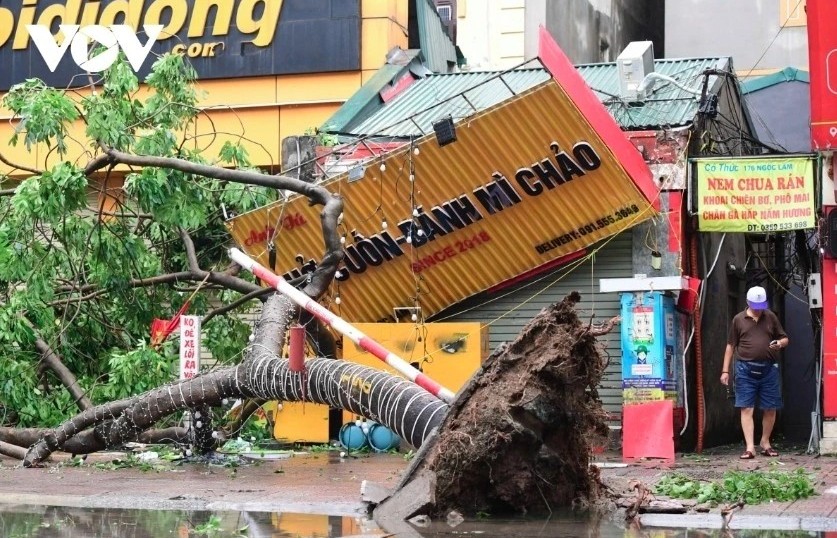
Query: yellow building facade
[258, 110]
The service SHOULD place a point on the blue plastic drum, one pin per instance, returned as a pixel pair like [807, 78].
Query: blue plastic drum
[382, 438]
[352, 437]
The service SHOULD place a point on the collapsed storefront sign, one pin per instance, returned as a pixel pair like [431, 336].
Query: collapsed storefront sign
[525, 183]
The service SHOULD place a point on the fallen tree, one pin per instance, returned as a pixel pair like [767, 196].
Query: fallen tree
[66, 291]
[519, 436]
[80, 288]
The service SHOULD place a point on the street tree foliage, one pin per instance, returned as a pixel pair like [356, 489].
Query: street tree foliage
[86, 264]
[80, 285]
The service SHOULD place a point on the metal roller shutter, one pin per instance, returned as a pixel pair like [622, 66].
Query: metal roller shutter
[511, 308]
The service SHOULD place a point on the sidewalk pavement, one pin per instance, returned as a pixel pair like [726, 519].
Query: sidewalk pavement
[817, 513]
[325, 483]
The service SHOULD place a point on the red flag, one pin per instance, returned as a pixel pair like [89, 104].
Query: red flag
[162, 328]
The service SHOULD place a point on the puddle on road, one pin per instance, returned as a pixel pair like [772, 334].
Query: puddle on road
[18, 521]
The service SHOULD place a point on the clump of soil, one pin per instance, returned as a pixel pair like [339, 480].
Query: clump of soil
[518, 439]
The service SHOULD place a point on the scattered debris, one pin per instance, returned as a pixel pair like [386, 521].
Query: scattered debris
[454, 518]
[373, 493]
[663, 507]
[148, 456]
[420, 521]
[728, 511]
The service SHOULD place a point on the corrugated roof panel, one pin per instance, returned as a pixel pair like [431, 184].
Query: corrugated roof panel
[459, 95]
[667, 105]
[788, 74]
[367, 96]
[436, 44]
[542, 221]
[412, 113]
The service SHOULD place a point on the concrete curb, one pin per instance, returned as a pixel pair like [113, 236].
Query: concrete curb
[741, 522]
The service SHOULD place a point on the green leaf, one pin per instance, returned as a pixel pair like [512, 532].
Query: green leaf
[45, 114]
[234, 154]
[53, 194]
[753, 487]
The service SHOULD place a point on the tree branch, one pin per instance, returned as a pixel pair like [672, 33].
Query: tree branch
[316, 194]
[78, 299]
[221, 278]
[67, 378]
[322, 277]
[238, 302]
[126, 419]
[21, 167]
[13, 451]
[134, 282]
[228, 281]
[191, 256]
[244, 413]
[85, 443]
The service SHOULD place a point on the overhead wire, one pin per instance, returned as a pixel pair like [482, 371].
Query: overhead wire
[775, 37]
[566, 271]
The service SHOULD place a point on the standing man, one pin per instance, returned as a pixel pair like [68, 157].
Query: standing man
[756, 336]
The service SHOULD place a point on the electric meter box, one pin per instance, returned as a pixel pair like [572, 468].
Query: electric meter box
[652, 334]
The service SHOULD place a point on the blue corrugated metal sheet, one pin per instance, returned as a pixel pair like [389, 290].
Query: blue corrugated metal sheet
[460, 95]
[788, 74]
[366, 98]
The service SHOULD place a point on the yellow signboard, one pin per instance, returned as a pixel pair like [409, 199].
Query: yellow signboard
[449, 353]
[525, 183]
[755, 195]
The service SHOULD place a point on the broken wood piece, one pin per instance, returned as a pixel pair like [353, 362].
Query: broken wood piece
[663, 507]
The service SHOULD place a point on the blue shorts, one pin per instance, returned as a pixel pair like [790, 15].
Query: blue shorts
[757, 379]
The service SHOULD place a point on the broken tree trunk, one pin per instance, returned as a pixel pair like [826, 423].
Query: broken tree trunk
[395, 402]
[518, 437]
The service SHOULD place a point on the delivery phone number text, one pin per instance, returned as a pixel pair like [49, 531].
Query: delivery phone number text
[581, 231]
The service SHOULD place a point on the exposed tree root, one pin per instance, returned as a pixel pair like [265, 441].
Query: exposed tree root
[518, 438]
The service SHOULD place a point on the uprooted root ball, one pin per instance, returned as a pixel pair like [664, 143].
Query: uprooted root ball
[521, 442]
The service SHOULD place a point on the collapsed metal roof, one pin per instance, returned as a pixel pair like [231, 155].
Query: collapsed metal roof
[668, 105]
[412, 113]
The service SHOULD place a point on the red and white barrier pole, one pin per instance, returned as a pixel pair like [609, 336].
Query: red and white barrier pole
[296, 349]
[342, 326]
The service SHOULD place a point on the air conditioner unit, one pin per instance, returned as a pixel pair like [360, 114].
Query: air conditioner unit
[633, 64]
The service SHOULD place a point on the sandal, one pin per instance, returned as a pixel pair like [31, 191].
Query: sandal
[769, 452]
[747, 455]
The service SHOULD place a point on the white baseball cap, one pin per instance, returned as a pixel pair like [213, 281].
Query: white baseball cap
[757, 298]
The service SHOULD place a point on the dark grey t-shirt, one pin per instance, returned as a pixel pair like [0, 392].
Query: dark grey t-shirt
[751, 339]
